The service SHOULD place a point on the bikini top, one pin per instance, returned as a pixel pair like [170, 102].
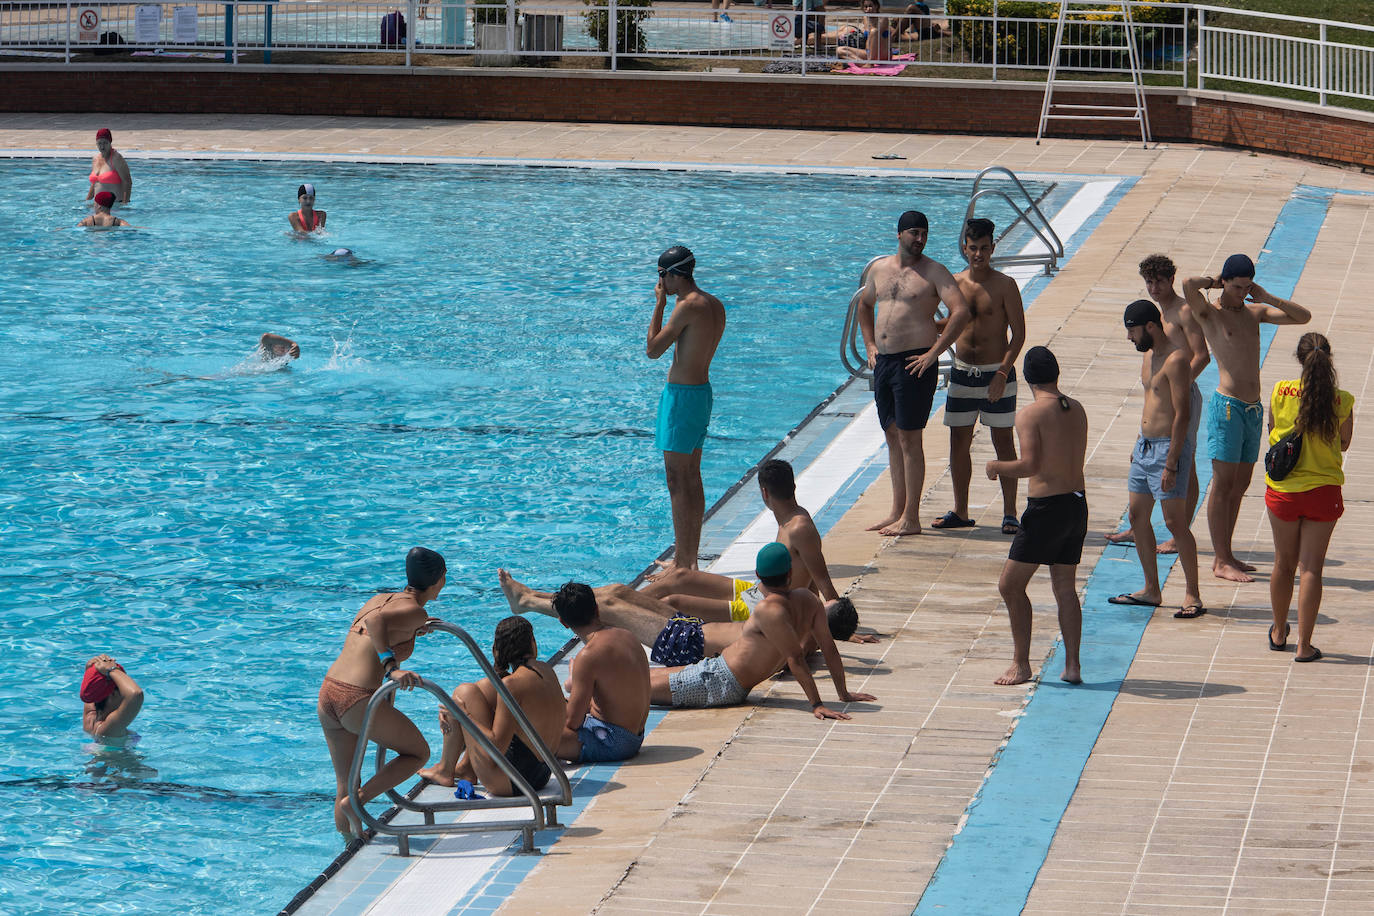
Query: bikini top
[314, 220]
[402, 649]
[109, 176]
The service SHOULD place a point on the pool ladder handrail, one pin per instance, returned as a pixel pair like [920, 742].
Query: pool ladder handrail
[543, 804]
[1044, 230]
[853, 353]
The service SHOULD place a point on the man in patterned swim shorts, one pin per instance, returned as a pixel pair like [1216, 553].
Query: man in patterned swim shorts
[771, 636]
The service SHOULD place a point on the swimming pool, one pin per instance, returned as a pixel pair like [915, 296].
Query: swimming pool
[478, 386]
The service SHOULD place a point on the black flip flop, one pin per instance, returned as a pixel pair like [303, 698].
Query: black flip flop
[1190, 612]
[950, 520]
[1277, 646]
[1132, 600]
[1316, 654]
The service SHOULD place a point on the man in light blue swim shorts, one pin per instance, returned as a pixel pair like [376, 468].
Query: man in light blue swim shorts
[1235, 415]
[695, 325]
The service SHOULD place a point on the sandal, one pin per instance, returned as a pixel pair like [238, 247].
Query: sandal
[950, 520]
[1011, 524]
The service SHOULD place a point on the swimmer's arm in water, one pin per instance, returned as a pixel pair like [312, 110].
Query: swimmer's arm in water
[1028, 465]
[275, 346]
[661, 335]
[131, 702]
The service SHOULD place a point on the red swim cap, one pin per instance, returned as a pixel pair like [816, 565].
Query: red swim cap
[104, 134]
[104, 199]
[95, 687]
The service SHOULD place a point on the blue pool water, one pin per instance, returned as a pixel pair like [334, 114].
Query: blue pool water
[478, 385]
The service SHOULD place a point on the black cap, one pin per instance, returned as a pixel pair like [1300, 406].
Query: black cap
[424, 567]
[1237, 265]
[1140, 313]
[912, 219]
[1040, 367]
[677, 260]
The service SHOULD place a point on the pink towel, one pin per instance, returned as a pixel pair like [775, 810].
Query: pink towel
[880, 69]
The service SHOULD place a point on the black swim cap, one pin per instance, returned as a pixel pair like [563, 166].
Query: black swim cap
[677, 260]
[424, 567]
[1140, 313]
[1040, 367]
[1238, 265]
[912, 219]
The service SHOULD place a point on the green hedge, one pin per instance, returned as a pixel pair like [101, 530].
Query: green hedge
[1030, 45]
[629, 15]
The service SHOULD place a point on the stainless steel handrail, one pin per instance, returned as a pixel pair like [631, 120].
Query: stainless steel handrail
[543, 805]
[1054, 247]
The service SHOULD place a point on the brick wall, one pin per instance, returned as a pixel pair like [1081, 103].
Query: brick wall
[746, 100]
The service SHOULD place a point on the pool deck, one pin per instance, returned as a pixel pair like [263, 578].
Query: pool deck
[1225, 778]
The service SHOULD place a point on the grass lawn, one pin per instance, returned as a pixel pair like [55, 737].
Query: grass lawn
[1360, 12]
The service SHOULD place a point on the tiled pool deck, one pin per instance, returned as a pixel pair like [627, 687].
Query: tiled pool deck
[1225, 779]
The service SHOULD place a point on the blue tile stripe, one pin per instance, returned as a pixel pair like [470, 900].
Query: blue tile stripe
[991, 865]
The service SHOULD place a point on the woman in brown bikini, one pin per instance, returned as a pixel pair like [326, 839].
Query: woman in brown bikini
[380, 638]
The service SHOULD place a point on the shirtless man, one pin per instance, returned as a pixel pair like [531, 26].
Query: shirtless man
[904, 350]
[1053, 430]
[608, 682]
[983, 381]
[716, 598]
[102, 217]
[307, 218]
[695, 324]
[1160, 459]
[1184, 332]
[648, 618]
[111, 701]
[772, 635]
[1235, 416]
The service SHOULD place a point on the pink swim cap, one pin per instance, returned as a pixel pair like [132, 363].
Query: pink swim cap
[104, 134]
[104, 199]
[95, 687]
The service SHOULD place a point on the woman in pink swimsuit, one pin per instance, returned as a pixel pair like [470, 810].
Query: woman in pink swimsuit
[379, 640]
[109, 171]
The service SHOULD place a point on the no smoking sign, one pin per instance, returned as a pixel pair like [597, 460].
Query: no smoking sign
[781, 29]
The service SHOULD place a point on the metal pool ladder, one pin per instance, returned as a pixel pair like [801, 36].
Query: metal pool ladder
[1027, 212]
[543, 805]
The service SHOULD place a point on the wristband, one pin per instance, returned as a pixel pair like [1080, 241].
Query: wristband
[387, 656]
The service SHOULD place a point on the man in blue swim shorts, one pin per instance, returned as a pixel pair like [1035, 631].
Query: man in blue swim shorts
[608, 680]
[900, 295]
[695, 324]
[1235, 415]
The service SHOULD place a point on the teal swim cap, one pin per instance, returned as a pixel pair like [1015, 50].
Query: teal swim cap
[773, 560]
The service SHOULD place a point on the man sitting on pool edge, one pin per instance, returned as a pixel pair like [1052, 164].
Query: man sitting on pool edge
[771, 635]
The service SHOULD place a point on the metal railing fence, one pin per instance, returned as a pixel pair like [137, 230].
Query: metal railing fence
[1322, 57]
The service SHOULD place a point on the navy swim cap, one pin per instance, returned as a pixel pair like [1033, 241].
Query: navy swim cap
[1140, 313]
[1237, 265]
[677, 260]
[424, 567]
[1040, 367]
[912, 219]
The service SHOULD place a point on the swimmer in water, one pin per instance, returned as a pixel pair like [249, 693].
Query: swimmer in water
[109, 171]
[307, 218]
[102, 218]
[341, 254]
[274, 346]
[112, 700]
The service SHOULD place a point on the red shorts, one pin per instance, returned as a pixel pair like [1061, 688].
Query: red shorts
[1320, 505]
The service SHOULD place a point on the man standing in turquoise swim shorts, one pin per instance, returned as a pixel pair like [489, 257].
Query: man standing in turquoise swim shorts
[1234, 418]
[695, 324]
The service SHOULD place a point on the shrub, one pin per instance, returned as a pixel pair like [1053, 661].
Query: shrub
[1029, 44]
[629, 15]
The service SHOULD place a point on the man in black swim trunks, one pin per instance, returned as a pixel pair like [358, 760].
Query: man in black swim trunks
[1053, 434]
[900, 296]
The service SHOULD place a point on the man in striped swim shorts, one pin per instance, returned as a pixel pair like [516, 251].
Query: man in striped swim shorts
[982, 384]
